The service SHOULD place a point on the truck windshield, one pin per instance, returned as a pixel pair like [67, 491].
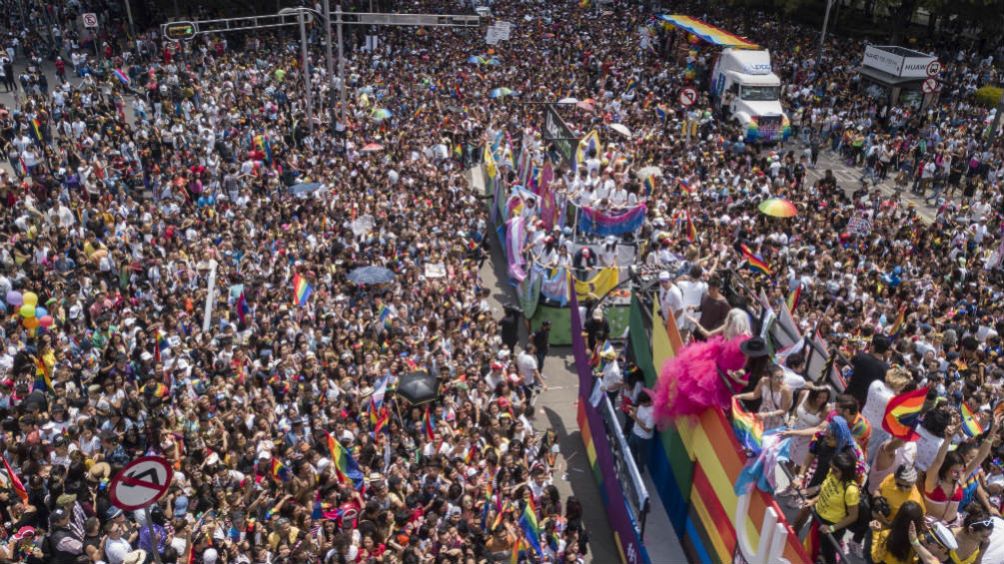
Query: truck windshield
[760, 93]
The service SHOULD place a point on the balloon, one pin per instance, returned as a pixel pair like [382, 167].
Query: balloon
[30, 323]
[30, 298]
[41, 311]
[15, 298]
[46, 321]
[27, 311]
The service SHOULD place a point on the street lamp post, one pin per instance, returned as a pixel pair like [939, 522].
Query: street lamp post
[329, 70]
[341, 68]
[306, 70]
[822, 36]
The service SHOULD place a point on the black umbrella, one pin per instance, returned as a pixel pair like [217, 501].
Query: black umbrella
[418, 388]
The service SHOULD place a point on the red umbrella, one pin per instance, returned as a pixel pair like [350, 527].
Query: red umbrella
[372, 147]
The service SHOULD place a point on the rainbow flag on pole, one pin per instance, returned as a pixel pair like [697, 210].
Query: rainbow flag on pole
[970, 424]
[345, 466]
[902, 414]
[428, 425]
[279, 471]
[754, 261]
[793, 298]
[691, 230]
[897, 325]
[123, 77]
[301, 290]
[15, 482]
[36, 127]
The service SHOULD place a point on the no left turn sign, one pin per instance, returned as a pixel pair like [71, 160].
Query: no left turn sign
[141, 483]
[688, 96]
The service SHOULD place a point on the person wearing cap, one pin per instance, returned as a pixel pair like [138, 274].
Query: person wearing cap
[63, 546]
[896, 489]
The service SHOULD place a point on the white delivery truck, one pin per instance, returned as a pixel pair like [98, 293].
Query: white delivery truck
[745, 87]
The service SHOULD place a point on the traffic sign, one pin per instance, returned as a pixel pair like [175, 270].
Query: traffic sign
[933, 68]
[180, 31]
[141, 483]
[90, 20]
[688, 96]
[930, 85]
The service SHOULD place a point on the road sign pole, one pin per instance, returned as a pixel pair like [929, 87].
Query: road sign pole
[153, 535]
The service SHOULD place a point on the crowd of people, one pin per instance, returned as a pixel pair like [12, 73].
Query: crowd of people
[155, 167]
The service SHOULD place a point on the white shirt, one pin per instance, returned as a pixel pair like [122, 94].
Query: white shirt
[879, 394]
[644, 416]
[527, 366]
[612, 377]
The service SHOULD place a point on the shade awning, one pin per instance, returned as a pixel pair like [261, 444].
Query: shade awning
[708, 32]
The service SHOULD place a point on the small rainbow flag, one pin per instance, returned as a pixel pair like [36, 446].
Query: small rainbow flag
[15, 482]
[649, 185]
[793, 298]
[897, 325]
[691, 230]
[428, 425]
[517, 547]
[685, 186]
[970, 424]
[301, 290]
[902, 414]
[754, 261]
[43, 376]
[279, 471]
[36, 126]
[531, 528]
[748, 429]
[661, 112]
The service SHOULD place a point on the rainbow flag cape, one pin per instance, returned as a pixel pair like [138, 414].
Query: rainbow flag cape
[970, 424]
[748, 429]
[242, 308]
[793, 298]
[531, 528]
[754, 261]
[43, 377]
[36, 126]
[345, 466]
[15, 483]
[897, 325]
[301, 290]
[123, 77]
[902, 414]
[279, 471]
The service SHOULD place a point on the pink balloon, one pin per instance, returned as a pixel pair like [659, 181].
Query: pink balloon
[46, 321]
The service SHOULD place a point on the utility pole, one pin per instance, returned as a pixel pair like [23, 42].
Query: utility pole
[306, 71]
[132, 27]
[329, 67]
[341, 68]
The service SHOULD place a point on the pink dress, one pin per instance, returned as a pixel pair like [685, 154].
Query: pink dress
[695, 379]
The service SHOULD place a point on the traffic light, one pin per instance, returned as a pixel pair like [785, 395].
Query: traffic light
[180, 31]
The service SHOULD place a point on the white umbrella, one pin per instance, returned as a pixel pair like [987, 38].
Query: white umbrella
[647, 171]
[622, 129]
[568, 101]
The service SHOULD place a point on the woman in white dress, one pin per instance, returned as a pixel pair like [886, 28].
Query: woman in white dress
[810, 413]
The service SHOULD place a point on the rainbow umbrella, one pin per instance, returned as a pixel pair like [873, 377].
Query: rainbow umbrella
[778, 207]
[500, 92]
[380, 114]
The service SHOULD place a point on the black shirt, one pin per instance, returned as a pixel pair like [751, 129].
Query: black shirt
[867, 369]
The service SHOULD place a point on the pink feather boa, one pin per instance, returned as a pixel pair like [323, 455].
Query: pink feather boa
[689, 382]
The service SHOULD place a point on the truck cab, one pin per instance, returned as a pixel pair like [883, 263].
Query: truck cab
[745, 88]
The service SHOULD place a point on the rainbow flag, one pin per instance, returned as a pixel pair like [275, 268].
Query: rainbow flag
[385, 315]
[428, 425]
[36, 126]
[531, 528]
[279, 471]
[754, 261]
[345, 466]
[381, 420]
[970, 424]
[897, 325]
[661, 112]
[517, 547]
[691, 230]
[748, 429]
[793, 298]
[123, 77]
[15, 482]
[590, 142]
[469, 456]
[902, 414]
[301, 290]
[707, 32]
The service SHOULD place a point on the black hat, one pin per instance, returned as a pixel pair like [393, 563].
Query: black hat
[754, 348]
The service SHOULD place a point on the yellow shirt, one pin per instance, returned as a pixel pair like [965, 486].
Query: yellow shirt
[836, 497]
[897, 497]
[880, 555]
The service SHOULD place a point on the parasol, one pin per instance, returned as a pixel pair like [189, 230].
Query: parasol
[371, 275]
[778, 207]
[304, 188]
[380, 114]
[500, 92]
[621, 128]
[372, 148]
[418, 388]
[647, 171]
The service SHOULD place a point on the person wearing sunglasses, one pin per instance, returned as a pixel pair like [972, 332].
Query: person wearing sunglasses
[973, 538]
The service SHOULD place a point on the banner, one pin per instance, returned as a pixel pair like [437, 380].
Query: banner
[515, 238]
[548, 208]
[597, 286]
[596, 222]
[529, 292]
[554, 285]
[600, 454]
